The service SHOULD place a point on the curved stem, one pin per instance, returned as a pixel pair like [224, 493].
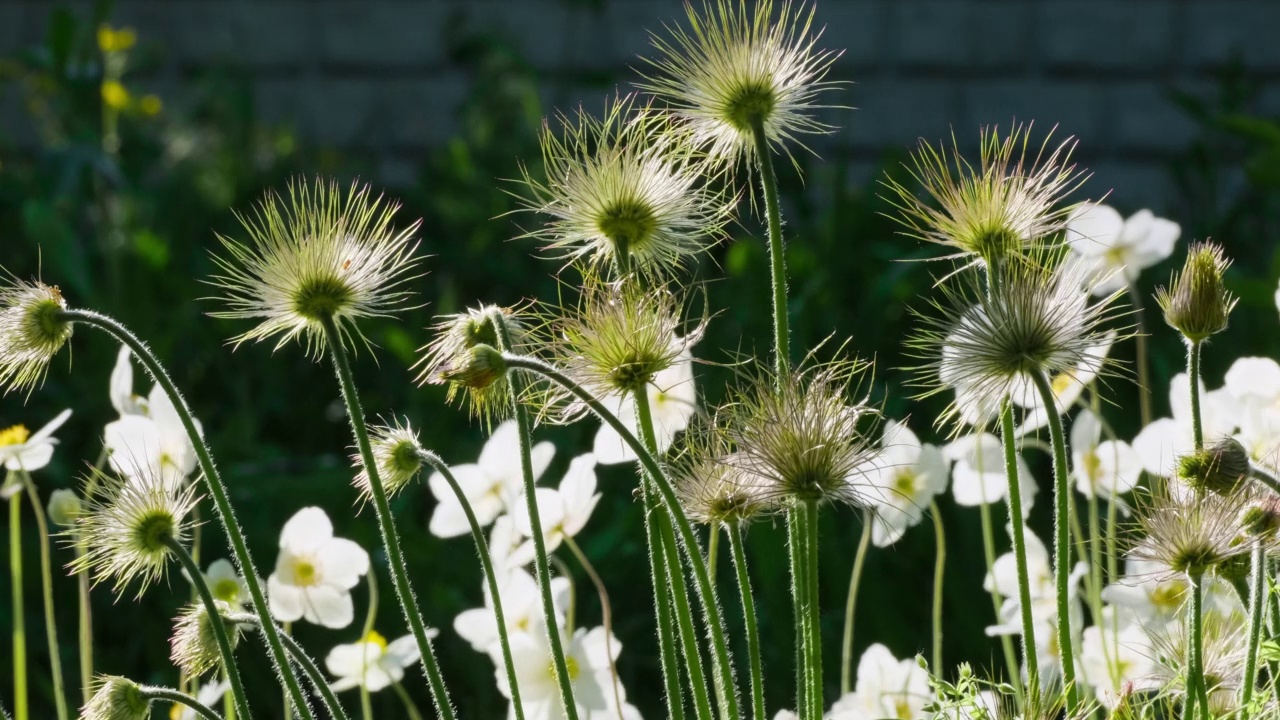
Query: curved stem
[181, 698]
[939, 566]
[749, 619]
[1258, 581]
[1264, 477]
[486, 563]
[410, 707]
[20, 711]
[851, 606]
[217, 491]
[692, 551]
[305, 661]
[777, 253]
[606, 617]
[1193, 372]
[386, 522]
[371, 617]
[1017, 524]
[46, 585]
[1144, 371]
[1061, 536]
[216, 622]
[563, 679]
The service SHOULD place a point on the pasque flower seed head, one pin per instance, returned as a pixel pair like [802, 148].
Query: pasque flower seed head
[1199, 304]
[117, 698]
[32, 331]
[398, 455]
[464, 357]
[194, 645]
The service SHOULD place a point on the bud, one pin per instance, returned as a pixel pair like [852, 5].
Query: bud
[397, 455]
[456, 358]
[194, 646]
[1261, 519]
[1198, 305]
[1217, 468]
[117, 698]
[477, 368]
[64, 507]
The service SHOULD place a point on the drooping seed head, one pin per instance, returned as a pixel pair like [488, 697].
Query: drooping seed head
[463, 356]
[1261, 518]
[32, 331]
[1194, 534]
[320, 254]
[712, 489]
[1220, 467]
[116, 698]
[397, 454]
[1199, 304]
[194, 646]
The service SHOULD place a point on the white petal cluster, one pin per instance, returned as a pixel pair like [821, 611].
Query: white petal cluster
[315, 572]
[1116, 250]
[25, 451]
[148, 440]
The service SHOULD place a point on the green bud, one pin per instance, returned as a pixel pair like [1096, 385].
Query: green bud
[1199, 304]
[117, 698]
[477, 368]
[1217, 468]
[1262, 519]
[64, 507]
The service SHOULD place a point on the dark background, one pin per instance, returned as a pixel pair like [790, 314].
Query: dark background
[1173, 101]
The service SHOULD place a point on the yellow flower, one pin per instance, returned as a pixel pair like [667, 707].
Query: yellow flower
[114, 95]
[110, 40]
[150, 105]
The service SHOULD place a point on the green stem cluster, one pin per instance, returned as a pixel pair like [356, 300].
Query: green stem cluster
[309, 667]
[749, 618]
[1017, 524]
[174, 696]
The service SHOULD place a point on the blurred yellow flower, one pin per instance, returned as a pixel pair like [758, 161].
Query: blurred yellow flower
[110, 40]
[114, 95]
[150, 105]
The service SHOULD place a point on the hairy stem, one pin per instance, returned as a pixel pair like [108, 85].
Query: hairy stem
[777, 252]
[989, 556]
[851, 606]
[1257, 584]
[305, 661]
[796, 538]
[1195, 648]
[1193, 372]
[814, 624]
[749, 619]
[181, 698]
[20, 711]
[46, 586]
[1017, 524]
[939, 567]
[713, 549]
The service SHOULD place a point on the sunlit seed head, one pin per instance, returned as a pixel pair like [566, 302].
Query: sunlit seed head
[1192, 536]
[625, 193]
[116, 698]
[735, 68]
[32, 331]
[1199, 305]
[318, 254]
[194, 646]
[1220, 467]
[1224, 646]
[126, 530]
[451, 359]
[397, 454]
[1261, 519]
[711, 489]
[1011, 203]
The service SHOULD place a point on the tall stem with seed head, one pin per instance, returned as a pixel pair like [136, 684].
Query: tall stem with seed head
[749, 619]
[1017, 523]
[777, 251]
[19, 618]
[851, 606]
[46, 586]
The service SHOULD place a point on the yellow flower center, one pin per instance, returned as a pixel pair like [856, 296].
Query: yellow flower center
[374, 637]
[227, 590]
[15, 435]
[1167, 597]
[904, 482]
[304, 573]
[902, 709]
[1061, 382]
[570, 666]
[1092, 467]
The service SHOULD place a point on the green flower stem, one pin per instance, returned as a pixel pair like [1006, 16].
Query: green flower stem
[1264, 477]
[219, 628]
[1006, 643]
[1195, 648]
[486, 563]
[606, 615]
[777, 253]
[539, 543]
[19, 618]
[286, 633]
[217, 491]
[1193, 372]
[85, 635]
[713, 620]
[851, 606]
[939, 567]
[1017, 523]
[670, 555]
[749, 619]
[305, 661]
[814, 625]
[46, 585]
[1144, 371]
[662, 603]
[1257, 583]
[799, 592]
[1061, 537]
[410, 706]
[713, 549]
[181, 698]
[386, 522]
[370, 617]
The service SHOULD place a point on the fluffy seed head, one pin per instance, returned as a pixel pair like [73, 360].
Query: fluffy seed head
[320, 253]
[116, 698]
[1218, 468]
[194, 646]
[32, 331]
[1037, 317]
[1009, 204]
[1192, 535]
[625, 192]
[803, 436]
[1224, 645]
[125, 531]
[711, 488]
[463, 358]
[1199, 304]
[736, 68]
[396, 452]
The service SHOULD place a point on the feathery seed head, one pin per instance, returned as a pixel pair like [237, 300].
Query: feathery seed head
[738, 68]
[396, 452]
[1192, 536]
[32, 331]
[1199, 304]
[803, 436]
[194, 645]
[1006, 206]
[1037, 317]
[458, 358]
[712, 489]
[1222, 658]
[1261, 519]
[625, 192]
[1219, 467]
[126, 530]
[321, 253]
[116, 698]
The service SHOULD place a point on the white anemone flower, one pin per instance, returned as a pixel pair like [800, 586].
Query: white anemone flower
[1152, 596]
[492, 485]
[1161, 443]
[1003, 578]
[562, 512]
[1254, 383]
[673, 401]
[226, 584]
[587, 656]
[315, 572]
[905, 477]
[149, 439]
[508, 549]
[1105, 468]
[1118, 250]
[886, 688]
[123, 399]
[372, 662]
[1116, 661]
[521, 607]
[978, 476]
[27, 451]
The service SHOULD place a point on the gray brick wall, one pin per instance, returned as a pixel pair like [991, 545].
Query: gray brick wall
[374, 76]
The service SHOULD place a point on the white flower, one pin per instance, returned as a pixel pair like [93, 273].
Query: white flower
[226, 584]
[589, 674]
[1159, 444]
[315, 572]
[565, 511]
[123, 398]
[673, 401]
[978, 476]
[149, 437]
[1114, 660]
[372, 662]
[1151, 595]
[521, 609]
[1254, 383]
[210, 693]
[508, 549]
[887, 688]
[1066, 387]
[492, 485]
[1003, 578]
[23, 450]
[904, 480]
[1118, 249]
[1108, 468]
